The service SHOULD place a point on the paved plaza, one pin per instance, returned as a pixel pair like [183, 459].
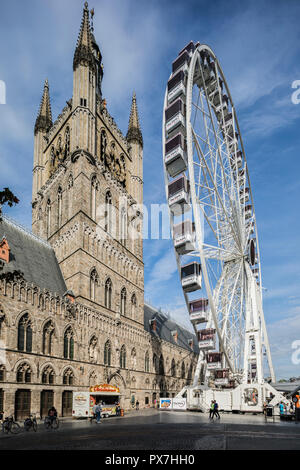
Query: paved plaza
[162, 430]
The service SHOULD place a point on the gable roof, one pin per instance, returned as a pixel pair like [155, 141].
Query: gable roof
[164, 328]
[33, 256]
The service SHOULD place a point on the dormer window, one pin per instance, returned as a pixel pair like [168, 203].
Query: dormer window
[175, 335]
[191, 343]
[4, 250]
[153, 324]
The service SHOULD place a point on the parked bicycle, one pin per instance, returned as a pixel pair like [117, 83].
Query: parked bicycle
[10, 425]
[51, 422]
[30, 423]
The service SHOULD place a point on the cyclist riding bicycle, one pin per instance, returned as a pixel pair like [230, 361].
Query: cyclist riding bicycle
[52, 413]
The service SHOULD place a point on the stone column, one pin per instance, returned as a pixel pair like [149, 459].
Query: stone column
[58, 400]
[9, 401]
[35, 407]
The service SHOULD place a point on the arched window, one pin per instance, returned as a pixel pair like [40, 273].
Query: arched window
[48, 375]
[94, 280]
[161, 365]
[24, 373]
[133, 306]
[123, 226]
[48, 218]
[59, 206]
[190, 371]
[107, 353]
[69, 344]
[147, 362]
[68, 377]
[173, 368]
[48, 334]
[94, 191]
[162, 385]
[155, 363]
[108, 292]
[123, 357]
[103, 145]
[108, 212]
[25, 334]
[183, 370]
[123, 301]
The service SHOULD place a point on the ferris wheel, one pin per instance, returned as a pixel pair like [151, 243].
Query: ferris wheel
[213, 221]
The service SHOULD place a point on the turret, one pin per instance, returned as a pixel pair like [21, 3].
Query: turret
[135, 139]
[87, 80]
[42, 125]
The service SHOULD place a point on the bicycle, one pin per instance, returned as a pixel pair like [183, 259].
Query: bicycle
[51, 423]
[10, 426]
[30, 423]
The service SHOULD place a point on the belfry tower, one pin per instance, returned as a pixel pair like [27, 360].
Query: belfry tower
[88, 189]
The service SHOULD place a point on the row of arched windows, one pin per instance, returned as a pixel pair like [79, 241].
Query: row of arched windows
[24, 375]
[159, 368]
[59, 200]
[108, 212]
[25, 338]
[25, 344]
[94, 287]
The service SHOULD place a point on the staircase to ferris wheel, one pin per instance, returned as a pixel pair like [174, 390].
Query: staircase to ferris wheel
[220, 382]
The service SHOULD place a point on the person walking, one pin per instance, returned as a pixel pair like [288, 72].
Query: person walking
[52, 413]
[98, 413]
[216, 410]
[137, 405]
[211, 409]
[118, 409]
[94, 412]
[265, 408]
[281, 408]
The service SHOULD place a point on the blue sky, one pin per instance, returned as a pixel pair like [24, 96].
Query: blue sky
[257, 43]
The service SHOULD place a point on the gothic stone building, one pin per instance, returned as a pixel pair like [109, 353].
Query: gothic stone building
[75, 315]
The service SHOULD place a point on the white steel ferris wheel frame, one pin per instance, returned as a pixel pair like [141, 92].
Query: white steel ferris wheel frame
[235, 284]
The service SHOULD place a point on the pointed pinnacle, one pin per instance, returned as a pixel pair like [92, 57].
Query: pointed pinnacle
[44, 119]
[83, 52]
[134, 130]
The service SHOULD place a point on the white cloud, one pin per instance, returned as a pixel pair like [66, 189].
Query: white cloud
[162, 271]
[282, 333]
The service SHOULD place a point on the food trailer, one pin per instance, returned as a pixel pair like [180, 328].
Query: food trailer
[83, 402]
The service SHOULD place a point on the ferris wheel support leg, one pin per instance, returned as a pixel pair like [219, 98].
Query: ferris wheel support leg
[265, 336]
[253, 336]
[199, 369]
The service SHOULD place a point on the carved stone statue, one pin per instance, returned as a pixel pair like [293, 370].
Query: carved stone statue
[93, 353]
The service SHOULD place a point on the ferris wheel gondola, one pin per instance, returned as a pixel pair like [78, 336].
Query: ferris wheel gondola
[213, 220]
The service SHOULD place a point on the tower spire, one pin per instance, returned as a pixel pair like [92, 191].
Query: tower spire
[83, 52]
[134, 130]
[44, 119]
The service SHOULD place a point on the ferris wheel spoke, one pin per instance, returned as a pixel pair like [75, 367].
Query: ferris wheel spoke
[231, 296]
[219, 199]
[224, 179]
